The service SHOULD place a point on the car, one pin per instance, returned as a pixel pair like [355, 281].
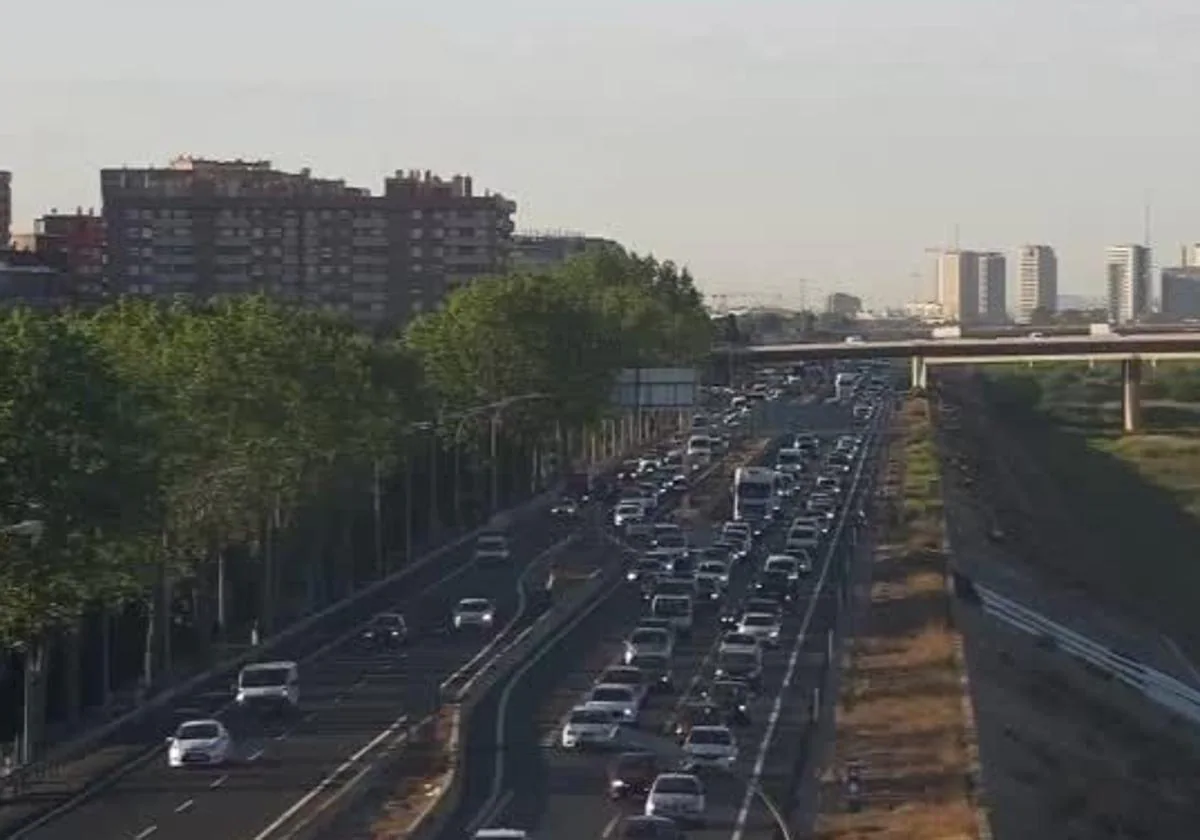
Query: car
[641, 827]
[802, 537]
[269, 687]
[491, 548]
[762, 626]
[708, 591]
[500, 834]
[646, 569]
[629, 675]
[776, 586]
[715, 570]
[679, 796]
[657, 668]
[804, 560]
[649, 640]
[740, 665]
[678, 609]
[696, 710]
[736, 640]
[784, 563]
[589, 727]
[828, 484]
[386, 630]
[710, 746]
[733, 697]
[631, 774]
[629, 516]
[565, 507]
[205, 741]
[620, 701]
[478, 613]
[683, 565]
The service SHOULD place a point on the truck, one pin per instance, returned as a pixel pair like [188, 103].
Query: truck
[843, 385]
[756, 496]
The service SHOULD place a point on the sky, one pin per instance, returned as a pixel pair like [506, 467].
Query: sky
[761, 143]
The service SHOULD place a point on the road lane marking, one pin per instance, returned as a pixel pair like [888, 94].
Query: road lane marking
[329, 780]
[216, 783]
[611, 826]
[186, 805]
[256, 755]
[145, 832]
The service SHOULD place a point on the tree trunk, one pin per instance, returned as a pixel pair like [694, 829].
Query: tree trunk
[34, 714]
[73, 671]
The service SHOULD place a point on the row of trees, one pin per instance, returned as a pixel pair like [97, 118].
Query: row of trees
[173, 476]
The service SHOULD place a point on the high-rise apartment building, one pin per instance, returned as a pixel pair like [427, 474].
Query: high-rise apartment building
[1037, 282]
[993, 288]
[74, 244]
[1128, 282]
[845, 305]
[958, 286]
[5, 207]
[1181, 292]
[203, 228]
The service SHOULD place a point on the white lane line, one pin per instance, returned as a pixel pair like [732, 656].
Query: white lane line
[303, 801]
[216, 783]
[186, 805]
[145, 832]
[282, 736]
[764, 746]
[1182, 657]
[611, 826]
[310, 717]
[255, 756]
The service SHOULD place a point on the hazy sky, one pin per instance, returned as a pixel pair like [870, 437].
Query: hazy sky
[760, 142]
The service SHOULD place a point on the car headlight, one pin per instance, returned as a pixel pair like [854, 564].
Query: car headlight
[631, 576]
[617, 783]
[627, 712]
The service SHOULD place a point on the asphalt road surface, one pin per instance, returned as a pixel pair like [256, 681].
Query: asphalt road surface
[553, 793]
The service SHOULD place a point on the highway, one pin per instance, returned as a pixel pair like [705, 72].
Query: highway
[553, 793]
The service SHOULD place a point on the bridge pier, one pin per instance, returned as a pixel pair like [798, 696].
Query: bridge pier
[919, 377]
[1131, 395]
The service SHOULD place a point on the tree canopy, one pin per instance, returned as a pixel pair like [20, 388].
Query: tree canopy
[154, 441]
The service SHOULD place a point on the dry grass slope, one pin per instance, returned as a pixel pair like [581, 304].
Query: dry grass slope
[901, 715]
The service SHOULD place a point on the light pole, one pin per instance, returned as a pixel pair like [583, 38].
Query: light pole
[408, 484]
[34, 530]
[497, 409]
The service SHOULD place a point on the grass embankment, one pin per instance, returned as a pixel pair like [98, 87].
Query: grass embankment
[901, 715]
[1135, 500]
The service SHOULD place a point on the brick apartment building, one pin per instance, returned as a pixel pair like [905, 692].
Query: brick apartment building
[5, 207]
[203, 228]
[74, 243]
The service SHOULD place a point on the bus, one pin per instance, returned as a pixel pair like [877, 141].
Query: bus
[756, 495]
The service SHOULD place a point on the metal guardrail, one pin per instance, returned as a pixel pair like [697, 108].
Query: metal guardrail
[1160, 688]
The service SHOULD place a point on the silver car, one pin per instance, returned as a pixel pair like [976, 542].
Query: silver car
[474, 612]
[649, 640]
[491, 548]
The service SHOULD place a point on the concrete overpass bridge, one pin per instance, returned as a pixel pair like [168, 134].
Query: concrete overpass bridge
[1131, 350]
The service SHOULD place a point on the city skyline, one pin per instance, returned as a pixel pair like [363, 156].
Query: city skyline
[759, 143]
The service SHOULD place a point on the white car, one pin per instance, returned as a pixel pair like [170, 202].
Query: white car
[491, 548]
[763, 626]
[802, 538]
[474, 612]
[678, 796]
[715, 570]
[199, 742]
[739, 641]
[629, 516]
[785, 563]
[620, 701]
[672, 542]
[629, 675]
[828, 484]
[710, 746]
[588, 726]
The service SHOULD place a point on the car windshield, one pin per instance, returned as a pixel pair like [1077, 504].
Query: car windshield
[742, 639]
[727, 691]
[622, 676]
[630, 509]
[264, 677]
[473, 605]
[612, 694]
[669, 539]
[677, 784]
[790, 457]
[672, 606]
[491, 542]
[198, 732]
[389, 622]
[649, 636]
[636, 764]
[748, 490]
[649, 662]
[801, 534]
[783, 566]
[590, 716]
[738, 659]
[712, 568]
[710, 736]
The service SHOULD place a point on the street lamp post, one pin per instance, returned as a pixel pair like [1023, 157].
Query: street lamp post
[497, 410]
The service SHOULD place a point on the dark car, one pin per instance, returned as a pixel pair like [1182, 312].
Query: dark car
[566, 507]
[386, 630]
[708, 592]
[775, 585]
[649, 828]
[733, 697]
[697, 712]
[631, 774]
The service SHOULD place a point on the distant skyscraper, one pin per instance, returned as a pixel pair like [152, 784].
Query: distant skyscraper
[958, 285]
[1037, 282]
[840, 303]
[1181, 292]
[1128, 282]
[5, 207]
[993, 288]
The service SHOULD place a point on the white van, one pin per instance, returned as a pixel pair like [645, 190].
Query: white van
[273, 686]
[676, 609]
[700, 448]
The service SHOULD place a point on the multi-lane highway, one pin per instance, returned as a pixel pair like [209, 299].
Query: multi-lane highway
[554, 793]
